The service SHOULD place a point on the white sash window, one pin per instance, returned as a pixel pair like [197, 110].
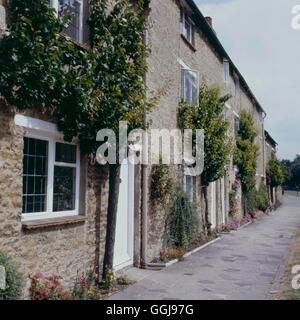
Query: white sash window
[51, 172]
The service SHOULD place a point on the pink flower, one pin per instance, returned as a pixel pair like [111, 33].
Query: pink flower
[40, 275]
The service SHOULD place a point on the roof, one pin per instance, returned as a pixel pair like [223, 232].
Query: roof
[270, 139]
[200, 20]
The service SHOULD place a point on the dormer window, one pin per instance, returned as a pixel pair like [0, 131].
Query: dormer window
[187, 28]
[74, 10]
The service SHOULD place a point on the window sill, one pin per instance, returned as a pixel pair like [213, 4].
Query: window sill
[188, 43]
[52, 222]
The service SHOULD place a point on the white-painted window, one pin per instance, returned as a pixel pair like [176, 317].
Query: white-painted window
[187, 27]
[51, 172]
[226, 71]
[74, 10]
[189, 86]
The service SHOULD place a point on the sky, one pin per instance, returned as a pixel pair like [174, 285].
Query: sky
[259, 38]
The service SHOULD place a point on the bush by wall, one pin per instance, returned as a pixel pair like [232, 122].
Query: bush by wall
[262, 199]
[14, 279]
[183, 224]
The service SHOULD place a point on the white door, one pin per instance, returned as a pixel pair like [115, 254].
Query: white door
[213, 217]
[123, 253]
[223, 200]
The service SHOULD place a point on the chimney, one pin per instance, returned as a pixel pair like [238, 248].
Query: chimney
[209, 21]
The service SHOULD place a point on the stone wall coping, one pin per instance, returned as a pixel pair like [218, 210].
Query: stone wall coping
[53, 222]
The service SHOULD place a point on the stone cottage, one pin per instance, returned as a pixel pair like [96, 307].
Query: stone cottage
[62, 231]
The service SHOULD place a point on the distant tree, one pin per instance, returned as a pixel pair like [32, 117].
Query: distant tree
[291, 171]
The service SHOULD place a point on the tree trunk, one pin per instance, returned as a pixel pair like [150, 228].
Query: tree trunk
[113, 197]
[207, 221]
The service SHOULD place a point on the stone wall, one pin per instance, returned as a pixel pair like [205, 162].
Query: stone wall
[168, 49]
[62, 250]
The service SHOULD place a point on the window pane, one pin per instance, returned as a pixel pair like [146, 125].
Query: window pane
[71, 9]
[34, 175]
[65, 153]
[64, 189]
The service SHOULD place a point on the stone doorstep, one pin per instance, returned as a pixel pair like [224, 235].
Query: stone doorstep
[159, 266]
[53, 222]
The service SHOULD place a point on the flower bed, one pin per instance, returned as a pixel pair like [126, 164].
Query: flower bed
[169, 256]
[234, 225]
[86, 287]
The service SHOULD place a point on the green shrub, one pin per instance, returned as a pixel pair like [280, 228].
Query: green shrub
[262, 199]
[183, 225]
[14, 279]
[249, 199]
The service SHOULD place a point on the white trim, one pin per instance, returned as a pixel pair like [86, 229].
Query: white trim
[236, 114]
[46, 127]
[228, 106]
[43, 130]
[183, 65]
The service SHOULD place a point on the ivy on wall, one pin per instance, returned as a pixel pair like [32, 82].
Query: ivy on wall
[85, 90]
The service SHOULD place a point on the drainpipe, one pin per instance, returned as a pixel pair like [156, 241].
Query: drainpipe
[144, 183]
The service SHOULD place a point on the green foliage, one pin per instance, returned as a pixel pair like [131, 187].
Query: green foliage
[275, 172]
[183, 224]
[162, 183]
[246, 154]
[209, 116]
[14, 279]
[249, 201]
[86, 286]
[124, 280]
[85, 90]
[262, 198]
[291, 171]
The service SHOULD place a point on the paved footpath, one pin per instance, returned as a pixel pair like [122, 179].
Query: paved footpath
[243, 265]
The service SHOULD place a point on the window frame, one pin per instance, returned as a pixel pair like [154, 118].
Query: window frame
[185, 18]
[183, 85]
[32, 132]
[226, 71]
[55, 4]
